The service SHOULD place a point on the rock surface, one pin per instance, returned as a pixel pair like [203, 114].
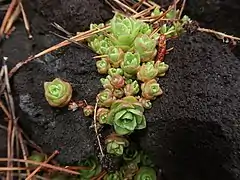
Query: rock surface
[51, 128]
[74, 15]
[193, 129]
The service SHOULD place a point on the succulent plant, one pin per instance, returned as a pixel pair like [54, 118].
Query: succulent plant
[131, 89]
[58, 93]
[114, 71]
[146, 173]
[115, 56]
[117, 81]
[88, 110]
[102, 114]
[124, 31]
[146, 47]
[106, 83]
[145, 160]
[92, 27]
[129, 170]
[105, 98]
[102, 66]
[147, 72]
[151, 89]
[156, 12]
[130, 64]
[131, 155]
[37, 157]
[101, 45]
[118, 93]
[94, 168]
[113, 176]
[162, 68]
[116, 144]
[167, 30]
[126, 115]
[172, 14]
[145, 103]
[146, 29]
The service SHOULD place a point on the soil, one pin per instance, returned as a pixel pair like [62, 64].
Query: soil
[192, 127]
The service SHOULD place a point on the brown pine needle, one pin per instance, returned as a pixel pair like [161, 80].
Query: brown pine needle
[13, 168]
[39, 167]
[125, 6]
[7, 16]
[95, 128]
[100, 56]
[12, 19]
[79, 37]
[218, 33]
[25, 20]
[57, 168]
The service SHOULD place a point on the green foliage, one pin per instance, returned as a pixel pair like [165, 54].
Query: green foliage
[113, 176]
[94, 168]
[37, 157]
[146, 173]
[116, 144]
[126, 115]
[58, 93]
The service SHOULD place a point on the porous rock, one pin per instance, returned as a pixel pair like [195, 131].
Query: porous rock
[74, 15]
[193, 128]
[54, 128]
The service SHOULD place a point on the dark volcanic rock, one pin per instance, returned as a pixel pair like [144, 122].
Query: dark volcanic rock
[193, 129]
[58, 129]
[3, 147]
[74, 15]
[51, 128]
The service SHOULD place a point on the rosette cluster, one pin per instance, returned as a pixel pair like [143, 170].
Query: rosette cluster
[128, 51]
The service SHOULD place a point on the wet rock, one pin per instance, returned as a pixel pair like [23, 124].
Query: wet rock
[193, 128]
[74, 15]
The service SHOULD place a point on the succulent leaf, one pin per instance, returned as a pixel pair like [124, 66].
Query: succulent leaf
[101, 45]
[37, 157]
[115, 56]
[114, 71]
[151, 89]
[145, 103]
[124, 31]
[113, 176]
[162, 68]
[147, 72]
[94, 168]
[130, 64]
[116, 144]
[126, 115]
[102, 114]
[131, 89]
[117, 81]
[146, 173]
[58, 93]
[118, 93]
[105, 98]
[102, 66]
[146, 47]
[88, 110]
[106, 84]
[131, 155]
[146, 29]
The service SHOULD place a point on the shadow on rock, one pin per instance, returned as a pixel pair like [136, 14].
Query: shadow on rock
[193, 130]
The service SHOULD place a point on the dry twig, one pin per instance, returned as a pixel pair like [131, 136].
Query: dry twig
[95, 128]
